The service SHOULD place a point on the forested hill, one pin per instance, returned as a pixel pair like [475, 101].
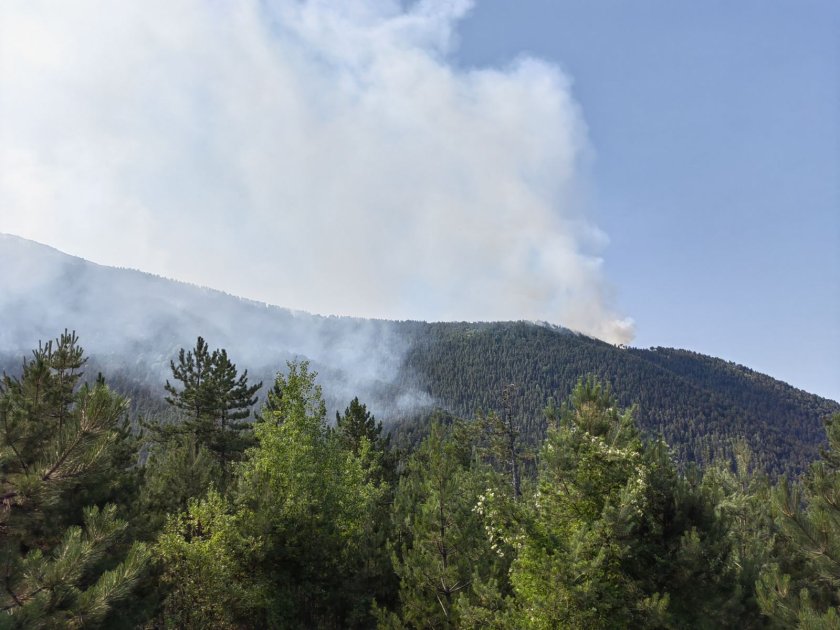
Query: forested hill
[698, 403]
[132, 324]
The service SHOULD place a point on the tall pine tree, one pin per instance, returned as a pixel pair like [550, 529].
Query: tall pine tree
[214, 400]
[440, 546]
[60, 442]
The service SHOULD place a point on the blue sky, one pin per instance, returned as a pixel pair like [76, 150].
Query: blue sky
[716, 132]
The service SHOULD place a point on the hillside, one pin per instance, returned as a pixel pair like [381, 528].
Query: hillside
[698, 403]
[132, 323]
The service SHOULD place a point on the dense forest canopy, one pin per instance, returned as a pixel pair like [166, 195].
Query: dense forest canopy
[227, 514]
[700, 405]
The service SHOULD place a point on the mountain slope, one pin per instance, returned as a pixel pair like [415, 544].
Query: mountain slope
[699, 404]
[133, 323]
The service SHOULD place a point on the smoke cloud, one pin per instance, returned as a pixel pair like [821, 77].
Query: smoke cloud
[326, 156]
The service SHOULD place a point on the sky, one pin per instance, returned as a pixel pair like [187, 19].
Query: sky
[716, 132]
[652, 173]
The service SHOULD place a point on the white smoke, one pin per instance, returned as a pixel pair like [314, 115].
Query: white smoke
[327, 156]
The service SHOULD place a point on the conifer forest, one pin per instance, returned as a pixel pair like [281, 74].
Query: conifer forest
[232, 503]
[419, 315]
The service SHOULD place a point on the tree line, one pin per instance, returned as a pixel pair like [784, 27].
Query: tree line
[220, 515]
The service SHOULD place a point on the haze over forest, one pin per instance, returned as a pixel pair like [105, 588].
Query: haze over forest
[213, 157]
[133, 324]
[382, 159]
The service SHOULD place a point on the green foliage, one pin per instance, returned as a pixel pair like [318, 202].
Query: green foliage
[205, 559]
[616, 538]
[314, 526]
[176, 472]
[440, 548]
[802, 588]
[700, 405]
[214, 400]
[741, 496]
[64, 451]
[357, 424]
[57, 589]
[358, 432]
[295, 395]
[310, 502]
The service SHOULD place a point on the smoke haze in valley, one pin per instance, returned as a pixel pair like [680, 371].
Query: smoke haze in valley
[133, 324]
[325, 156]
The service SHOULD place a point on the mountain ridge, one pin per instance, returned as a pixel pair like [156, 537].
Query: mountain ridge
[133, 323]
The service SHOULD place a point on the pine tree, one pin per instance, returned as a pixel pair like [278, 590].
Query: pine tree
[359, 434]
[59, 443]
[175, 473]
[358, 423]
[440, 546]
[214, 399]
[742, 498]
[802, 588]
[616, 537]
[498, 442]
[273, 399]
[234, 400]
[197, 397]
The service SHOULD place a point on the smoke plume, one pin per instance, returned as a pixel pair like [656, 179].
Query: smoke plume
[326, 156]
